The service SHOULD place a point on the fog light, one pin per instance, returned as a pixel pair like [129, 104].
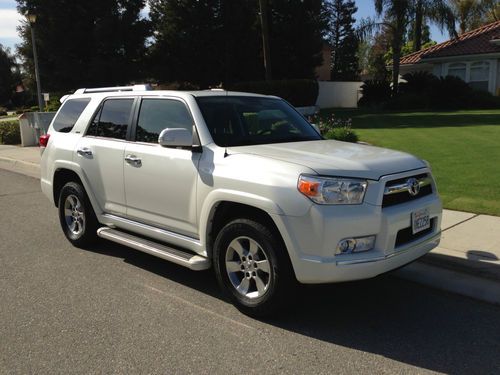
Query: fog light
[355, 245]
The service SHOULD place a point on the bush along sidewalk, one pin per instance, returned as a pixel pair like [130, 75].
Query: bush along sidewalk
[332, 127]
[10, 133]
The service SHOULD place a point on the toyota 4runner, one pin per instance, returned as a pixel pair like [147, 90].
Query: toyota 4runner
[239, 182]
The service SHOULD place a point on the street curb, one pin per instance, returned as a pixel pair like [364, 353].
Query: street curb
[471, 267]
[478, 288]
[20, 166]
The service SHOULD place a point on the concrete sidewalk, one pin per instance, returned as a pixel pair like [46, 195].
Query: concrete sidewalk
[467, 261]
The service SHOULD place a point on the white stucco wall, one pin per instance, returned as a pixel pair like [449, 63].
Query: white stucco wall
[338, 94]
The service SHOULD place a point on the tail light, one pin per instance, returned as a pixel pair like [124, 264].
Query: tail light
[43, 140]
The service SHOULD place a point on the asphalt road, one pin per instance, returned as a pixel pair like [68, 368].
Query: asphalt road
[115, 310]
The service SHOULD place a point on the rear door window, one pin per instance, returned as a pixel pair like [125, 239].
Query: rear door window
[69, 114]
[112, 119]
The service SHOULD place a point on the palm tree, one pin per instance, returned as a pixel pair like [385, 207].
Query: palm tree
[471, 14]
[437, 11]
[396, 17]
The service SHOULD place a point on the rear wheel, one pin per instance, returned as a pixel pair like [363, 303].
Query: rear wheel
[252, 267]
[77, 218]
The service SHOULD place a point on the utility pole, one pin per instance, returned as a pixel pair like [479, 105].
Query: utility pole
[265, 38]
[32, 20]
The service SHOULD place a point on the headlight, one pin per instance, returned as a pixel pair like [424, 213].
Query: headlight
[332, 190]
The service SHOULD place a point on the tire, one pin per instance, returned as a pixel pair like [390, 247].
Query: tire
[252, 267]
[76, 215]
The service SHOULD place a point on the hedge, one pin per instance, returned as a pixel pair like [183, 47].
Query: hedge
[10, 133]
[299, 92]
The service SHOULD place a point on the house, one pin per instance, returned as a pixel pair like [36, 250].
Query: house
[474, 57]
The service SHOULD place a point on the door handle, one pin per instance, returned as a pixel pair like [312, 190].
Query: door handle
[85, 151]
[133, 160]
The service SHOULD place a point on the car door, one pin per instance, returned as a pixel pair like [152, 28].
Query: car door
[100, 153]
[160, 182]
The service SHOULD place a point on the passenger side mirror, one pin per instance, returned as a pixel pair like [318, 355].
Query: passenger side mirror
[175, 137]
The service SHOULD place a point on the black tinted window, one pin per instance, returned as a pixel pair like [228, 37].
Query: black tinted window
[69, 113]
[112, 120]
[158, 114]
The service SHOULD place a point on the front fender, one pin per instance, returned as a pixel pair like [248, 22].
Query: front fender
[234, 196]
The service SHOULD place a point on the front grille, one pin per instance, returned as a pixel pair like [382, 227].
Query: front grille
[404, 196]
[405, 235]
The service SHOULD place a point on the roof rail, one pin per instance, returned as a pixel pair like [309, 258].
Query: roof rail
[146, 87]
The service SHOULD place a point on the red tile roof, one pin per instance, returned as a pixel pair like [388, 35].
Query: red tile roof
[473, 42]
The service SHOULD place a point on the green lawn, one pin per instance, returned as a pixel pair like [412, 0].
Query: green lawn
[463, 148]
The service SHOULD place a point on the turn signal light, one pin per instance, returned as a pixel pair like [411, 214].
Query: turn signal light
[309, 188]
[43, 140]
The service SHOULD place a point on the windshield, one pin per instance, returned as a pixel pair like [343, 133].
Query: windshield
[241, 121]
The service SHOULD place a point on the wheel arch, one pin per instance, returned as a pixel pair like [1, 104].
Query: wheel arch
[224, 211]
[67, 172]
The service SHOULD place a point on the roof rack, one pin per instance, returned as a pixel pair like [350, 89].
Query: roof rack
[146, 87]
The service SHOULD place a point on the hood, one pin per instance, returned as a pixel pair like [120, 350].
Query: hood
[334, 158]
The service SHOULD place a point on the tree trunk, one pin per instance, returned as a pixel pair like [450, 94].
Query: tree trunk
[419, 18]
[396, 48]
[265, 38]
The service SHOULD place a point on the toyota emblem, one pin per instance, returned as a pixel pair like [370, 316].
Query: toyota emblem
[413, 186]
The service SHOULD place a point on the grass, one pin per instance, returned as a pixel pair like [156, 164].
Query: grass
[463, 148]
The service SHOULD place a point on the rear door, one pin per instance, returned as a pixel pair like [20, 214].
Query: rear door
[100, 153]
[160, 182]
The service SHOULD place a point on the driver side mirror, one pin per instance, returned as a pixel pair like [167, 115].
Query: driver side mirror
[175, 137]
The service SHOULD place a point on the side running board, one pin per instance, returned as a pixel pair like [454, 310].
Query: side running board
[194, 262]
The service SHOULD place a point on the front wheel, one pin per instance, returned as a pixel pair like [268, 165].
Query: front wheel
[77, 218]
[252, 267]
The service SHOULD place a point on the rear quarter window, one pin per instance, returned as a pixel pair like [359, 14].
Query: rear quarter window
[69, 114]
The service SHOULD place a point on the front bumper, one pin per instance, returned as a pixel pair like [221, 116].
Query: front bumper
[312, 239]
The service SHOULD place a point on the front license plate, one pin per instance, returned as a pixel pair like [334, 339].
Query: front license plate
[420, 220]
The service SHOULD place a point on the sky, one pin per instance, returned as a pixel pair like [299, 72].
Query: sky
[10, 19]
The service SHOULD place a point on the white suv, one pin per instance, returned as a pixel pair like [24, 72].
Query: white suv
[237, 181]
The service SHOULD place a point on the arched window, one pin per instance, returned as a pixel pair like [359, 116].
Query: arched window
[479, 75]
[457, 70]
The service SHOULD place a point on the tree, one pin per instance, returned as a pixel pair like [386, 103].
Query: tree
[396, 18]
[471, 14]
[95, 43]
[343, 40]
[8, 75]
[208, 42]
[436, 11]
[297, 30]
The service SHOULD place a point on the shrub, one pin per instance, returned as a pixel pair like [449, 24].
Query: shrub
[335, 128]
[375, 93]
[449, 93]
[483, 100]
[422, 90]
[408, 101]
[418, 83]
[10, 133]
[343, 133]
[299, 92]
